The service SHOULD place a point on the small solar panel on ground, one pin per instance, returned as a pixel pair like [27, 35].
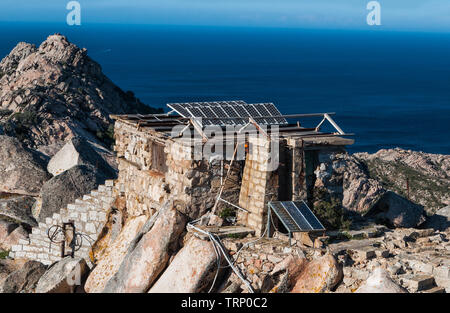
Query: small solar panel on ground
[297, 213]
[300, 220]
[309, 215]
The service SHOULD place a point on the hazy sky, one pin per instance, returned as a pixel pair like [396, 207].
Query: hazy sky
[426, 15]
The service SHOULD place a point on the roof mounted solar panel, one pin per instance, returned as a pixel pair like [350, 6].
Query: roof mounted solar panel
[296, 216]
[233, 112]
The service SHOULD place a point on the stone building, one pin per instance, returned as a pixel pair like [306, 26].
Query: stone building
[157, 161]
[232, 165]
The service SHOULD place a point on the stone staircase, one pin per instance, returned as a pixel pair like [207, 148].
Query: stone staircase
[89, 215]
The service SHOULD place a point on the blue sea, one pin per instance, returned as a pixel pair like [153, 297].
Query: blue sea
[391, 89]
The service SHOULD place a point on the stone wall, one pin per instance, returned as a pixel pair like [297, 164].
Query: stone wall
[146, 186]
[259, 185]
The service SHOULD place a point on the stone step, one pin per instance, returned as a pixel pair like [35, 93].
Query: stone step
[79, 201]
[434, 290]
[419, 282]
[56, 217]
[109, 183]
[24, 242]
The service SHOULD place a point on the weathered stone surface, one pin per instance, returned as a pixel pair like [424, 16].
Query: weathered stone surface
[320, 275]
[18, 209]
[192, 269]
[64, 276]
[360, 191]
[56, 91]
[440, 220]
[380, 282]
[397, 211]
[10, 234]
[78, 151]
[428, 174]
[65, 188]
[149, 253]
[112, 258]
[22, 170]
[24, 279]
[7, 266]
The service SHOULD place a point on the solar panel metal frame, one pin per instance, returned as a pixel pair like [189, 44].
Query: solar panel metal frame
[300, 213]
[229, 109]
[273, 205]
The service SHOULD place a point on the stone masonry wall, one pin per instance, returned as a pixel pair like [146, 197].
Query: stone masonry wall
[89, 215]
[259, 185]
[194, 184]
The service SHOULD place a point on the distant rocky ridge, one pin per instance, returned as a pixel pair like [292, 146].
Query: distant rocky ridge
[370, 176]
[53, 92]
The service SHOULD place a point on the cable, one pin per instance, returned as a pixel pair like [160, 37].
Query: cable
[217, 245]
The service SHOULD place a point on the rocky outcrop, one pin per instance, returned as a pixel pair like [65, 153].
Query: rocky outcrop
[425, 175]
[22, 170]
[360, 191]
[397, 211]
[440, 220]
[112, 258]
[10, 234]
[7, 266]
[55, 91]
[64, 277]
[78, 151]
[18, 209]
[320, 275]
[149, 253]
[63, 189]
[380, 282]
[25, 279]
[192, 270]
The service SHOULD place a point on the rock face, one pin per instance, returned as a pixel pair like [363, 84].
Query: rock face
[22, 170]
[426, 175]
[24, 279]
[65, 188]
[7, 266]
[78, 151]
[55, 91]
[150, 254]
[63, 277]
[192, 269]
[320, 275]
[397, 211]
[18, 209]
[380, 282]
[10, 234]
[112, 258]
[360, 191]
[440, 220]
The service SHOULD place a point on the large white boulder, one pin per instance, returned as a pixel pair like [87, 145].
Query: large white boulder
[78, 151]
[380, 282]
[114, 254]
[192, 270]
[150, 254]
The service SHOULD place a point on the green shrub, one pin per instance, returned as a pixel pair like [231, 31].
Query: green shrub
[4, 254]
[331, 214]
[227, 212]
[5, 112]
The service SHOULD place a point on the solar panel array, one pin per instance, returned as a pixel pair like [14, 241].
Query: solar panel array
[296, 216]
[221, 111]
